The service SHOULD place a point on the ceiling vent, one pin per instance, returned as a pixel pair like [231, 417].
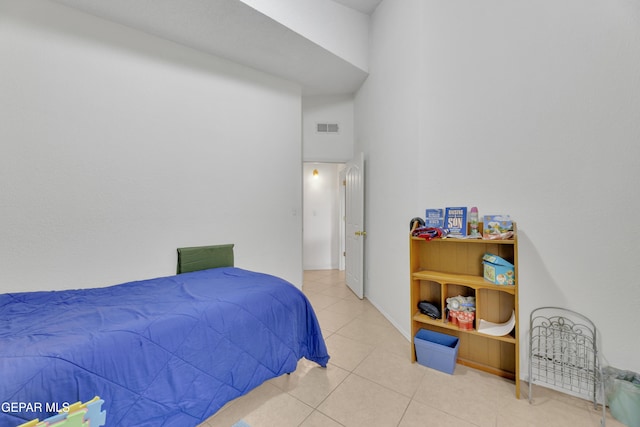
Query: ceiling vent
[327, 128]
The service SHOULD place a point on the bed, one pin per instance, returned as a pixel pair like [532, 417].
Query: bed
[169, 351]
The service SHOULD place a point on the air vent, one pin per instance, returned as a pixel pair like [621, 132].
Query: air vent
[327, 127]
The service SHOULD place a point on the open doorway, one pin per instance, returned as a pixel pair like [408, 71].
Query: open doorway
[323, 227]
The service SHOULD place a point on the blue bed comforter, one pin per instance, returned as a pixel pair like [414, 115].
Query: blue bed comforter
[162, 352]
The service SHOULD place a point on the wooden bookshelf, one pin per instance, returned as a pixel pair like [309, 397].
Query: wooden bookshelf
[444, 268]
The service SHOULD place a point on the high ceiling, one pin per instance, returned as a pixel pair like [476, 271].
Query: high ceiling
[364, 6]
[235, 31]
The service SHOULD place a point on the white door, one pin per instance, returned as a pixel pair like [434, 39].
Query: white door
[342, 220]
[354, 219]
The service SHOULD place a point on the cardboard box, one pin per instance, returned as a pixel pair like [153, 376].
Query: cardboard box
[498, 270]
[436, 350]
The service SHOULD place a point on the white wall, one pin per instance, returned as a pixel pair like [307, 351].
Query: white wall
[118, 147]
[339, 29]
[526, 108]
[321, 218]
[387, 114]
[327, 152]
[327, 147]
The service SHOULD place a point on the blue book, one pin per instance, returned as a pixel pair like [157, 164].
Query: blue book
[434, 218]
[455, 219]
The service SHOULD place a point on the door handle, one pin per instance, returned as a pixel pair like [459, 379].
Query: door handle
[361, 233]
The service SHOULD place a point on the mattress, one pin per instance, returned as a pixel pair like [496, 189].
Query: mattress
[169, 351]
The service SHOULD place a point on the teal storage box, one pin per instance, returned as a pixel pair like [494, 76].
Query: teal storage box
[498, 270]
[436, 350]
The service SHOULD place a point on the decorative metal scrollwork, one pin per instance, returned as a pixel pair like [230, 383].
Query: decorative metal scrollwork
[563, 353]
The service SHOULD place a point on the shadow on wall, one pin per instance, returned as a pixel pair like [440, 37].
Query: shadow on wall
[537, 287]
[74, 24]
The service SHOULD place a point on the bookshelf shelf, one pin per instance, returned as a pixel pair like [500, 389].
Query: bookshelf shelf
[444, 268]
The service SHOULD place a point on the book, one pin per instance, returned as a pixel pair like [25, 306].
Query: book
[497, 227]
[434, 218]
[455, 219]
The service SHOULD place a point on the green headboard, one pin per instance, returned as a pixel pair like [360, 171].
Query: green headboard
[203, 257]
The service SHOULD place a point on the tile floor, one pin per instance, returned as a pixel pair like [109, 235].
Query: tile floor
[370, 381]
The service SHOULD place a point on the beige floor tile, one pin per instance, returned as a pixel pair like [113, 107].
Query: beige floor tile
[419, 415]
[353, 306]
[392, 371]
[315, 287]
[311, 383]
[360, 402]
[346, 353]
[318, 419]
[320, 301]
[282, 410]
[332, 321]
[542, 394]
[557, 413]
[536, 418]
[371, 314]
[327, 277]
[244, 405]
[466, 394]
[339, 291]
[519, 413]
[396, 344]
[596, 415]
[367, 332]
[371, 381]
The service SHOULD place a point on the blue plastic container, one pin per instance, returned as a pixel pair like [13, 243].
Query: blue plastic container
[436, 350]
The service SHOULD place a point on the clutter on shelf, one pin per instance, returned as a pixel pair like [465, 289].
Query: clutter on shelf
[461, 311]
[498, 270]
[497, 227]
[473, 223]
[428, 308]
[434, 218]
[461, 223]
[455, 220]
[497, 329]
[447, 272]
